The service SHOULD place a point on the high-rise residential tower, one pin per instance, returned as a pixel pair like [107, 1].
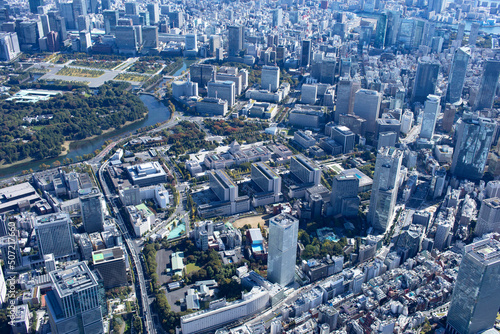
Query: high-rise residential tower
[476, 295]
[283, 234]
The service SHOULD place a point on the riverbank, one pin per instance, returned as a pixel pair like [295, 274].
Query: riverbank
[24, 161]
[66, 146]
[67, 143]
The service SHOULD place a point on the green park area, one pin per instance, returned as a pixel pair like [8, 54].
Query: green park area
[131, 77]
[79, 72]
[145, 67]
[97, 64]
[191, 268]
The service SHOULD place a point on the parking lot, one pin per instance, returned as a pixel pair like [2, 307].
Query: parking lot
[162, 261]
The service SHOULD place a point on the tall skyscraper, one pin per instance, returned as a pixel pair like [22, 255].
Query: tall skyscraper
[277, 17]
[131, 8]
[327, 69]
[437, 6]
[488, 219]
[110, 20]
[222, 186]
[105, 5]
[270, 78]
[282, 253]
[460, 32]
[393, 25]
[34, 4]
[79, 8]
[92, 6]
[235, 40]
[154, 13]
[74, 303]
[385, 188]
[425, 80]
[54, 235]
[85, 41]
[201, 74]
[474, 137]
[476, 295]
[346, 88]
[176, 19]
[474, 32]
[431, 112]
[367, 106]
[457, 74]
[305, 59]
[381, 31]
[91, 205]
[344, 197]
[214, 44]
[488, 86]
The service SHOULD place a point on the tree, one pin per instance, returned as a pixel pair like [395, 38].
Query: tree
[137, 324]
[426, 328]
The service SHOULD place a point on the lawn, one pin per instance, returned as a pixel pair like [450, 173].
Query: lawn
[99, 64]
[78, 72]
[131, 77]
[191, 268]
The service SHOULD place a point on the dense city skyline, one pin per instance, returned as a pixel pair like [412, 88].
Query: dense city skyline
[249, 166]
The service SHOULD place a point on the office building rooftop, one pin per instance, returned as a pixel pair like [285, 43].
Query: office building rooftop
[108, 254]
[486, 251]
[266, 170]
[73, 278]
